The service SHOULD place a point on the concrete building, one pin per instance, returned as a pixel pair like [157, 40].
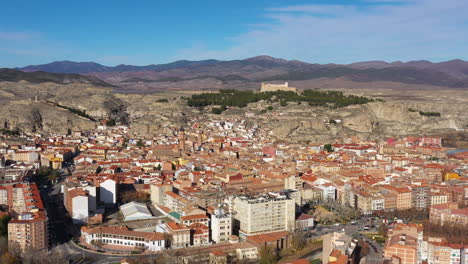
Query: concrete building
[28, 228]
[108, 191]
[77, 205]
[221, 226]
[304, 222]
[158, 192]
[448, 213]
[263, 214]
[28, 232]
[79, 199]
[180, 235]
[420, 196]
[405, 243]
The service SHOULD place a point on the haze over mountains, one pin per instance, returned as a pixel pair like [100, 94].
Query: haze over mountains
[248, 73]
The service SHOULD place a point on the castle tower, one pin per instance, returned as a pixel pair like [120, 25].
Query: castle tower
[181, 136]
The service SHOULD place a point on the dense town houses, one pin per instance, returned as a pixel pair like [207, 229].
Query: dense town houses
[227, 190]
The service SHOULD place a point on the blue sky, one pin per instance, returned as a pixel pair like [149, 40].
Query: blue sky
[150, 32]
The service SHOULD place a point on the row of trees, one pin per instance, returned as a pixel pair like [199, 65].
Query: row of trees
[9, 132]
[76, 111]
[457, 234]
[315, 97]
[46, 174]
[130, 196]
[424, 113]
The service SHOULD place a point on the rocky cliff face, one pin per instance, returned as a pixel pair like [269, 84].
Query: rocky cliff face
[370, 121]
[47, 108]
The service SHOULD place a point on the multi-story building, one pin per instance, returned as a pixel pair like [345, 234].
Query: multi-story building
[108, 191]
[403, 198]
[80, 200]
[363, 202]
[438, 198]
[221, 226]
[124, 237]
[405, 244]
[434, 172]
[390, 201]
[439, 253]
[420, 196]
[28, 229]
[378, 203]
[28, 232]
[77, 205]
[402, 247]
[263, 214]
[448, 213]
[175, 202]
[180, 235]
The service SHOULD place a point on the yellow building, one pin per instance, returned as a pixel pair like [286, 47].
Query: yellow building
[56, 163]
[451, 176]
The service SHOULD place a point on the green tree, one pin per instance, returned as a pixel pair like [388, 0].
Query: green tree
[270, 108]
[4, 225]
[140, 144]
[45, 174]
[328, 148]
[110, 122]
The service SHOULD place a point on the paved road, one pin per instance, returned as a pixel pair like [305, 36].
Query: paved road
[375, 251]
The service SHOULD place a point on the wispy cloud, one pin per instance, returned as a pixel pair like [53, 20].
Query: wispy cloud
[379, 29]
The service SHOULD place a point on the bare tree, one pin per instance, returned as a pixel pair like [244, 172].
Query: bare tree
[268, 255]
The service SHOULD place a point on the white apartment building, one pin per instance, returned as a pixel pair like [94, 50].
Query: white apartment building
[108, 191]
[264, 214]
[221, 226]
[80, 212]
[378, 203]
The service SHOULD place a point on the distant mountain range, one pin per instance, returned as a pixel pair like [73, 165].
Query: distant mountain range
[215, 73]
[11, 75]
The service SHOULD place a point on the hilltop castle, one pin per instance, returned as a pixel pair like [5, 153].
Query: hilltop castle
[268, 87]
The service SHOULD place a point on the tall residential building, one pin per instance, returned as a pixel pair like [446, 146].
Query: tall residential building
[264, 214]
[221, 226]
[28, 229]
[404, 244]
[28, 232]
[420, 196]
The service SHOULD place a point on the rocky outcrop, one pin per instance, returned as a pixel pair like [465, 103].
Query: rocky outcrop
[46, 107]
